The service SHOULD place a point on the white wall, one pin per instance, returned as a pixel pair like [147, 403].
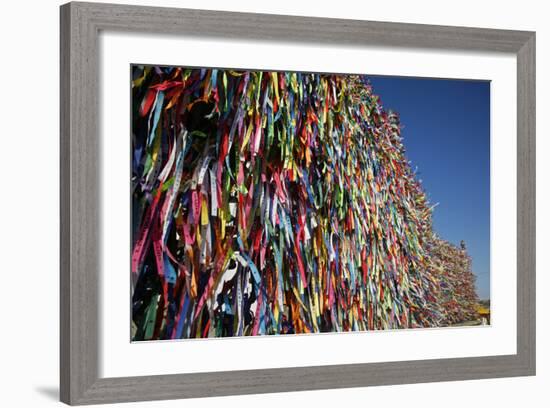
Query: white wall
[29, 159]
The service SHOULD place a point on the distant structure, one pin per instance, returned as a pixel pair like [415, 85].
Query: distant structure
[484, 314]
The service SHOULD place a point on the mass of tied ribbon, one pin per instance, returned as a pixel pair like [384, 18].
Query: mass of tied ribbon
[452, 268]
[277, 203]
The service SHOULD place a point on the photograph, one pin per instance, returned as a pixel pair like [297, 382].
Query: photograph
[270, 204]
[285, 202]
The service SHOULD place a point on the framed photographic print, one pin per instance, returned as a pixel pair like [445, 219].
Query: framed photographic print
[261, 203]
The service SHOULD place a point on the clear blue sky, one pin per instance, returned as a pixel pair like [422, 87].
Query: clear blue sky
[446, 132]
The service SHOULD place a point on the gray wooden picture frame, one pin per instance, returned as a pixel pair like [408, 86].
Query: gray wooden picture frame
[80, 237]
